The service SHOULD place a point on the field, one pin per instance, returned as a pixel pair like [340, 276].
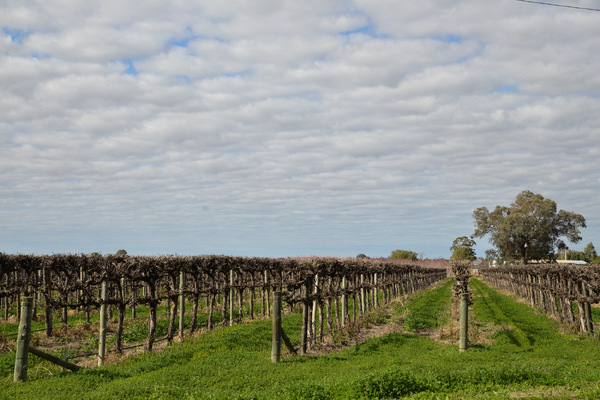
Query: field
[515, 353]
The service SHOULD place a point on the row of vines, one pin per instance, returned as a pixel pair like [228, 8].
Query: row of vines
[75, 282]
[553, 288]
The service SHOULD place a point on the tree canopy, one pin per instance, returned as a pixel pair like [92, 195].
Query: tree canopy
[404, 255]
[462, 249]
[590, 252]
[529, 229]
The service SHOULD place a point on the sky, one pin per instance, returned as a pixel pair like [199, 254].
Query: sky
[280, 128]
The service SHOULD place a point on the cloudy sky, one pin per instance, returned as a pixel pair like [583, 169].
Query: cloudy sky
[285, 128]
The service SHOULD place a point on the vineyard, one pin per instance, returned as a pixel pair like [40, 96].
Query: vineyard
[89, 284]
[514, 350]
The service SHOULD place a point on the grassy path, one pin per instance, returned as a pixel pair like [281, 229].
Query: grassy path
[524, 356]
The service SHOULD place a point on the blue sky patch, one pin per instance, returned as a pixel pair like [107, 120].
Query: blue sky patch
[508, 89]
[183, 79]
[368, 30]
[447, 38]
[130, 68]
[16, 35]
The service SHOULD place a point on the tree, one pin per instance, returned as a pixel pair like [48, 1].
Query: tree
[462, 249]
[362, 255]
[530, 228]
[590, 252]
[491, 254]
[404, 255]
[576, 255]
[121, 252]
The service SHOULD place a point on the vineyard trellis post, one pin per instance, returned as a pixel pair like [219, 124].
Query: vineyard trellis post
[231, 297]
[121, 319]
[587, 308]
[103, 317]
[268, 293]
[313, 328]
[464, 321]
[344, 299]
[276, 345]
[305, 311]
[23, 338]
[375, 294]
[181, 303]
[47, 293]
[362, 294]
[461, 269]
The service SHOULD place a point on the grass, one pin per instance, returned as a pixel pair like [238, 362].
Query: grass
[525, 358]
[429, 311]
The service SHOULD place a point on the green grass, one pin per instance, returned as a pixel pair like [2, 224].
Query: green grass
[528, 359]
[431, 310]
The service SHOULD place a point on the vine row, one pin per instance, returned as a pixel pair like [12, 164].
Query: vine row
[73, 281]
[552, 288]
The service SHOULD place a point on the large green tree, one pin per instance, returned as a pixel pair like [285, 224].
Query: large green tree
[530, 228]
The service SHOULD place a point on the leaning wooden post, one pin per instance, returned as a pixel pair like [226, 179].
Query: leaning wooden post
[276, 344]
[464, 321]
[102, 335]
[23, 340]
[181, 303]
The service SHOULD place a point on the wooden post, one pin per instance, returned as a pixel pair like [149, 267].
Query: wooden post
[375, 294]
[122, 310]
[314, 312]
[363, 300]
[124, 289]
[231, 297]
[151, 315]
[181, 303]
[276, 343]
[464, 322]
[268, 293]
[102, 334]
[6, 307]
[53, 359]
[344, 300]
[48, 310]
[134, 294]
[78, 293]
[304, 334]
[85, 297]
[589, 324]
[23, 340]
